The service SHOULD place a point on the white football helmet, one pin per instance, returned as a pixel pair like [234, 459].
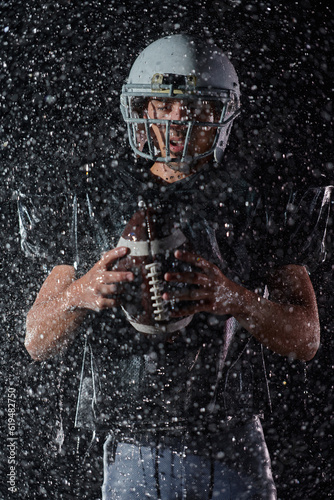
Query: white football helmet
[180, 67]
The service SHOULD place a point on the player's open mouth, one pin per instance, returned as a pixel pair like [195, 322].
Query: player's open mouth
[176, 146]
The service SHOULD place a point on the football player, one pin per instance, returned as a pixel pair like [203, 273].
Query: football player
[180, 413]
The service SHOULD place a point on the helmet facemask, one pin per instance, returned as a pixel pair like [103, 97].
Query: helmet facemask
[150, 135]
[182, 70]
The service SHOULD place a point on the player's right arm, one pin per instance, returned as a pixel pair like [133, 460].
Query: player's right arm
[63, 302]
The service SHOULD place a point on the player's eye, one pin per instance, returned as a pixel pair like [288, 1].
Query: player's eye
[198, 106]
[161, 106]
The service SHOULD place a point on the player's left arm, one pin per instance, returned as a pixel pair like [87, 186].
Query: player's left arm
[287, 322]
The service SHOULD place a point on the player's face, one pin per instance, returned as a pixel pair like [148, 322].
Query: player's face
[201, 137]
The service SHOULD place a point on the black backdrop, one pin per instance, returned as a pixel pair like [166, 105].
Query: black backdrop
[62, 67]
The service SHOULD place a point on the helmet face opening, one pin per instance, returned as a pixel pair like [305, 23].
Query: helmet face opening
[195, 101]
[201, 115]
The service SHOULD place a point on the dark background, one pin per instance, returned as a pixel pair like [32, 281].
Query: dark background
[62, 67]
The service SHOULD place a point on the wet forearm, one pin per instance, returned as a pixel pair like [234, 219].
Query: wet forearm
[289, 330]
[51, 326]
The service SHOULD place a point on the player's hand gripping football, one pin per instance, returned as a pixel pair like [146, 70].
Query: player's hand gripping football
[98, 287]
[213, 291]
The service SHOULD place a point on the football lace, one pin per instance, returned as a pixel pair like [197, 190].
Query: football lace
[156, 289]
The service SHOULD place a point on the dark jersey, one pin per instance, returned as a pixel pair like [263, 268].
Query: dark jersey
[213, 369]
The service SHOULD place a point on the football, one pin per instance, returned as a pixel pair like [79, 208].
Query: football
[152, 237]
